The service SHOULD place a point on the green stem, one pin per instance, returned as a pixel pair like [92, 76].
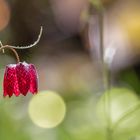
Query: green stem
[106, 77]
[108, 105]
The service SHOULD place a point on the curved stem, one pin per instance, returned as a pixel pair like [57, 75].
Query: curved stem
[13, 50]
[1, 46]
[20, 47]
[29, 46]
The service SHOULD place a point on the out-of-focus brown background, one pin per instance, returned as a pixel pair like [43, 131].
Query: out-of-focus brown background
[68, 61]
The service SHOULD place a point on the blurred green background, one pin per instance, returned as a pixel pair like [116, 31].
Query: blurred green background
[68, 62]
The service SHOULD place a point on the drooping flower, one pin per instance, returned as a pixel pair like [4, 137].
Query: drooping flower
[20, 78]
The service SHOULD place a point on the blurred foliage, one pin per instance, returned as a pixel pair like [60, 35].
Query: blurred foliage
[67, 63]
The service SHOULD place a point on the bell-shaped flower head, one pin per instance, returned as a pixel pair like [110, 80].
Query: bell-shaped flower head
[20, 78]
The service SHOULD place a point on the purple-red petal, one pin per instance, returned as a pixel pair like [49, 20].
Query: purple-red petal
[33, 79]
[23, 77]
[10, 81]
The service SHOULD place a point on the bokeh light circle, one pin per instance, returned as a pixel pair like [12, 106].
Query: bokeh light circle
[47, 109]
[122, 100]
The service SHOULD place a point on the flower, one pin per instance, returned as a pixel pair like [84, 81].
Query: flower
[19, 79]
